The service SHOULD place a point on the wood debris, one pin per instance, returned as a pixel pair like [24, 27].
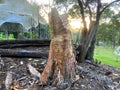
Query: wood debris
[8, 80]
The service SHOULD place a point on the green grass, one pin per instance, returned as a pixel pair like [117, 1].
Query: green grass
[107, 56]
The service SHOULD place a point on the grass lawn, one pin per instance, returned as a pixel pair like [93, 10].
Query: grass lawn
[107, 56]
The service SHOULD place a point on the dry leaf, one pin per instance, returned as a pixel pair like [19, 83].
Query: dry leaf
[15, 85]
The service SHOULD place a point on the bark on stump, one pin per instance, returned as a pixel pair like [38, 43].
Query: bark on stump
[60, 67]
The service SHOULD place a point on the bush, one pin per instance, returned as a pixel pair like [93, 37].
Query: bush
[3, 37]
[11, 37]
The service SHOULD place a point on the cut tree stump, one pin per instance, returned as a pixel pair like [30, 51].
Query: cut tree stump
[60, 68]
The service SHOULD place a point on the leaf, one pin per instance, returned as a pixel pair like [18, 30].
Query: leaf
[15, 85]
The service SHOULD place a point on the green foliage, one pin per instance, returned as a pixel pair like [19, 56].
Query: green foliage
[115, 20]
[108, 13]
[49, 31]
[107, 56]
[31, 35]
[35, 36]
[118, 41]
[74, 11]
[21, 36]
[60, 1]
[11, 37]
[3, 37]
[105, 32]
[110, 32]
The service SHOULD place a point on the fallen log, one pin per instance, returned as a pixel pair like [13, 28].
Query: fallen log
[7, 42]
[8, 46]
[23, 53]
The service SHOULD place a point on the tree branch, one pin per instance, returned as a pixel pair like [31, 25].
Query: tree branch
[82, 13]
[90, 13]
[83, 2]
[108, 6]
[98, 10]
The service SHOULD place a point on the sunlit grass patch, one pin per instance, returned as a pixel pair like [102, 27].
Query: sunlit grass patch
[107, 56]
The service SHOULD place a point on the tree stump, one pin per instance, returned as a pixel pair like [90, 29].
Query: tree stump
[60, 67]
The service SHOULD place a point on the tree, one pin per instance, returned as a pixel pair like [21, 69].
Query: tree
[107, 34]
[88, 38]
[93, 9]
[116, 28]
[60, 67]
[109, 28]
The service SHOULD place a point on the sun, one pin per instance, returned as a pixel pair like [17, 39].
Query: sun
[75, 23]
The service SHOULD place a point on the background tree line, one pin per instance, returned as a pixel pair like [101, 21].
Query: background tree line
[109, 32]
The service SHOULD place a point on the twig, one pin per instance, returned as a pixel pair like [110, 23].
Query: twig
[21, 78]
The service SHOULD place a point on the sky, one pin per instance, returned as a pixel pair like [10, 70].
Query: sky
[40, 1]
[47, 1]
[74, 24]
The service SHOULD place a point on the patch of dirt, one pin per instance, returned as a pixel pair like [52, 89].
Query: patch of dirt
[88, 77]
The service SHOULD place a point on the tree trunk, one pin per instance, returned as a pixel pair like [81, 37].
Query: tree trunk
[60, 67]
[85, 44]
[90, 52]
[87, 38]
